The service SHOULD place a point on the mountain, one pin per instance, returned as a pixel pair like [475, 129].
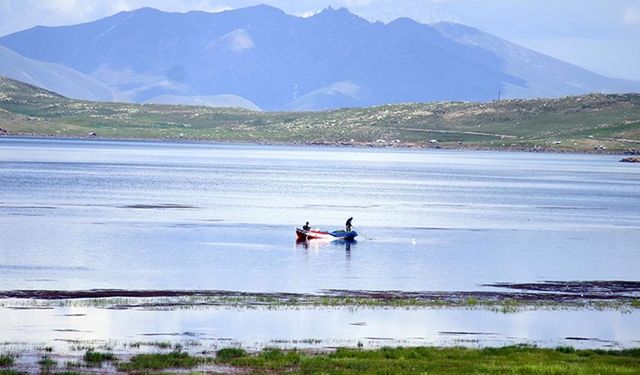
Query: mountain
[543, 76]
[278, 61]
[341, 94]
[53, 77]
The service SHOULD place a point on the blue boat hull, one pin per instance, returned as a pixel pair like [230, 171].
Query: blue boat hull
[344, 235]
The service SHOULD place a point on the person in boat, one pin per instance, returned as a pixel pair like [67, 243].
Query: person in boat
[306, 226]
[347, 225]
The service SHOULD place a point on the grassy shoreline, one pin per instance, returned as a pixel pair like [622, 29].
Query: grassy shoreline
[433, 360]
[593, 123]
[620, 296]
[339, 145]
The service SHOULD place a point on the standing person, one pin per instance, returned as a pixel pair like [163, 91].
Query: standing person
[348, 224]
[306, 226]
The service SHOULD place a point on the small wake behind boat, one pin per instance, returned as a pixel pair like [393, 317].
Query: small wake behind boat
[313, 234]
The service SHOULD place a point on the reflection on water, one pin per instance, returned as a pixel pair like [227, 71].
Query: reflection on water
[322, 327]
[317, 244]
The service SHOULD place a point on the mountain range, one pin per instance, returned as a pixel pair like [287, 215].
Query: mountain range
[261, 58]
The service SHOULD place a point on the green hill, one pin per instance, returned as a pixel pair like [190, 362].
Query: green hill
[592, 122]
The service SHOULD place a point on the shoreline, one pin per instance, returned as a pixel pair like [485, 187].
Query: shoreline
[594, 124]
[613, 295]
[353, 145]
[238, 360]
[154, 331]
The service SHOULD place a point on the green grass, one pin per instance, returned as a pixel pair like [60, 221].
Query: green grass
[94, 358]
[6, 360]
[47, 364]
[430, 360]
[578, 123]
[512, 360]
[272, 358]
[159, 361]
[230, 353]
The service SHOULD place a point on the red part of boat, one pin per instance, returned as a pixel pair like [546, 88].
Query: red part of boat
[312, 234]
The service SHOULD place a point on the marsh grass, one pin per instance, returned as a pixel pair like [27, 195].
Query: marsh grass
[93, 358]
[514, 359]
[159, 361]
[6, 360]
[227, 354]
[268, 358]
[161, 344]
[507, 306]
[47, 364]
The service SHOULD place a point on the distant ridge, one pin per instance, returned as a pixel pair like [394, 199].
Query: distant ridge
[53, 77]
[229, 101]
[276, 61]
[545, 77]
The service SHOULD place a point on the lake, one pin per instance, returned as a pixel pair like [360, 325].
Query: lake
[81, 214]
[142, 215]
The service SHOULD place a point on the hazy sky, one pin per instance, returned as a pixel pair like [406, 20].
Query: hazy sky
[601, 35]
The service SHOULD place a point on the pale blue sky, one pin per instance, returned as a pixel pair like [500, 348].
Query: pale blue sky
[601, 35]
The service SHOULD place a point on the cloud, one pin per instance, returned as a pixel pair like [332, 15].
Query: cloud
[631, 16]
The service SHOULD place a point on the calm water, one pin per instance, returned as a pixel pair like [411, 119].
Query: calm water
[318, 327]
[428, 220]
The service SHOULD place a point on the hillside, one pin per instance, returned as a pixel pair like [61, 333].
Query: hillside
[589, 123]
[53, 77]
[263, 57]
[545, 77]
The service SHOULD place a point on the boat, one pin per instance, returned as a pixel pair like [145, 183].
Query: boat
[315, 234]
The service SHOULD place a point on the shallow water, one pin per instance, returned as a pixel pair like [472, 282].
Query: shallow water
[214, 328]
[89, 214]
